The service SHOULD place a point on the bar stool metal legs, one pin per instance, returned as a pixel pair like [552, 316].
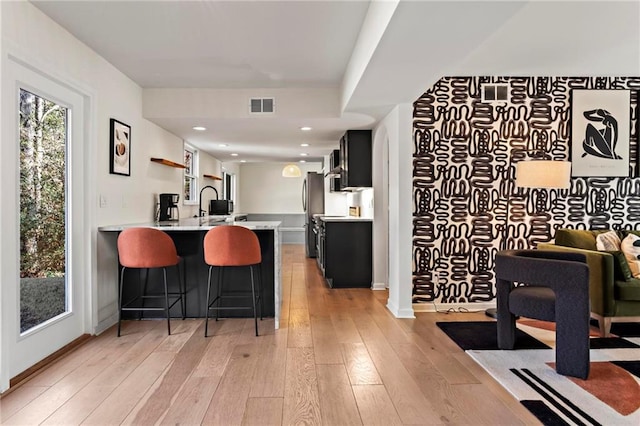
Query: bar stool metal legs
[256, 302]
[234, 246]
[179, 296]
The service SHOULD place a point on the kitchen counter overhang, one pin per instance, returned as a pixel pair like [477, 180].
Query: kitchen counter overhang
[188, 235]
[193, 224]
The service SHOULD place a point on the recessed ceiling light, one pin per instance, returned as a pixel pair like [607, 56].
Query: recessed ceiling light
[305, 128]
[304, 144]
[303, 161]
[303, 154]
[234, 154]
[199, 128]
[223, 144]
[243, 161]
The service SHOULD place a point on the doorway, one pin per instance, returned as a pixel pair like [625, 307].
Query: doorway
[44, 264]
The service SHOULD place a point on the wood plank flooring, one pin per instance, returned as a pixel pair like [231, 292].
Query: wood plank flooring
[339, 358]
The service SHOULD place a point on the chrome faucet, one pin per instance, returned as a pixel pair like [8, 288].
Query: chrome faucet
[200, 211]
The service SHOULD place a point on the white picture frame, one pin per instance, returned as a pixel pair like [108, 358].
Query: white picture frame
[600, 129]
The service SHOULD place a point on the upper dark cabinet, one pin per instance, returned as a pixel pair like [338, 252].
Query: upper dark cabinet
[355, 160]
[334, 163]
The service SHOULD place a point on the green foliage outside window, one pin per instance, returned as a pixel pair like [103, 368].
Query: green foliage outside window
[43, 127]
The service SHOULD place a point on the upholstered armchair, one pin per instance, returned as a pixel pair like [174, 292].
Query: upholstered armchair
[551, 286]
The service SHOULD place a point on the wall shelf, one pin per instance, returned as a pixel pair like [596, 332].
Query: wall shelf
[168, 163]
[214, 177]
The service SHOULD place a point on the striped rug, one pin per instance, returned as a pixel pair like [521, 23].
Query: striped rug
[610, 396]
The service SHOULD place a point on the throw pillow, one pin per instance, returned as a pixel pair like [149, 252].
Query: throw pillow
[608, 241]
[631, 248]
[621, 270]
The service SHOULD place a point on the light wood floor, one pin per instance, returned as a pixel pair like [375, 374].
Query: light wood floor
[339, 358]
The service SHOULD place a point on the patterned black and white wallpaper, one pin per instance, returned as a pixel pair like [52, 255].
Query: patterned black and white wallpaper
[463, 177]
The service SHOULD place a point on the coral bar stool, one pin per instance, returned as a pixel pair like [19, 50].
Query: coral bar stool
[231, 245]
[147, 248]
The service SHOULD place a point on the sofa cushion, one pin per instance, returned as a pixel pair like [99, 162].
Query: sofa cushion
[628, 290]
[577, 238]
[626, 232]
[631, 248]
[621, 270]
[608, 241]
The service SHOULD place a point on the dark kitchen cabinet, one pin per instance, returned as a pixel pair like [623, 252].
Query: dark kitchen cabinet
[334, 162]
[355, 160]
[347, 253]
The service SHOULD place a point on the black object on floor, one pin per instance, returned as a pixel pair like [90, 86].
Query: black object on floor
[546, 415]
[483, 335]
[622, 329]
[610, 343]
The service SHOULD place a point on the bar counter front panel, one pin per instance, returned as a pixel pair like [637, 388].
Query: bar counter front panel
[188, 236]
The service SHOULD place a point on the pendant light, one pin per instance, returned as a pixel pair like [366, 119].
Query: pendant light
[291, 171]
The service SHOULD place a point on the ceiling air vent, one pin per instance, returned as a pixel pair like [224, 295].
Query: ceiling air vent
[262, 106]
[495, 92]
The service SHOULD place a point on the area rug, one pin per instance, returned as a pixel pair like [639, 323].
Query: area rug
[610, 396]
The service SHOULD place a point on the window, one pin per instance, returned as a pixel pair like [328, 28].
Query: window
[190, 175]
[44, 129]
[229, 187]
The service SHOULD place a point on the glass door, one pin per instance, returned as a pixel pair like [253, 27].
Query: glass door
[44, 265]
[44, 130]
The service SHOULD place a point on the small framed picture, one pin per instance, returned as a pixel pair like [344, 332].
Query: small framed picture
[120, 143]
[600, 128]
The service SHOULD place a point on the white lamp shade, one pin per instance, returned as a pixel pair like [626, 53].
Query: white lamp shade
[543, 174]
[291, 170]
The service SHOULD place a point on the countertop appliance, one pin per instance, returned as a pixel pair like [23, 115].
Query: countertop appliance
[312, 203]
[220, 207]
[168, 207]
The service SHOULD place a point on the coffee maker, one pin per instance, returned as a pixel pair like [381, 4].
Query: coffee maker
[169, 207]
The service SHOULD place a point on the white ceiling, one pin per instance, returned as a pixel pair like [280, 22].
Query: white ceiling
[284, 45]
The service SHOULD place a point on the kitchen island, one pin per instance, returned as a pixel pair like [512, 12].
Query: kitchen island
[188, 236]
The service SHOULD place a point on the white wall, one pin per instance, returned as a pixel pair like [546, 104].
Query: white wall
[37, 39]
[4, 349]
[362, 198]
[264, 190]
[380, 178]
[335, 203]
[398, 126]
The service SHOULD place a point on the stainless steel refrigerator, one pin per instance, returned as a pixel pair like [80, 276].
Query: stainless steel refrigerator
[312, 203]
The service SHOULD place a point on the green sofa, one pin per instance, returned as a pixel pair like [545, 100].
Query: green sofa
[613, 294]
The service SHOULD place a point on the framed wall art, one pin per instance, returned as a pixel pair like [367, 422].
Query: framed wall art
[600, 126]
[120, 144]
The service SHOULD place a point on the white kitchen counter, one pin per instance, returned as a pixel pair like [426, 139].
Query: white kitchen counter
[193, 224]
[201, 225]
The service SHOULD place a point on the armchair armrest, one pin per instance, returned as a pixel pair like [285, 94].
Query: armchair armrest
[601, 277]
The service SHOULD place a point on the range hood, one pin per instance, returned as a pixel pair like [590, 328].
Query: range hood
[335, 172]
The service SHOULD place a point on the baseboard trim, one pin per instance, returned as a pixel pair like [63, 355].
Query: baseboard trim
[31, 371]
[400, 313]
[378, 286]
[106, 323]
